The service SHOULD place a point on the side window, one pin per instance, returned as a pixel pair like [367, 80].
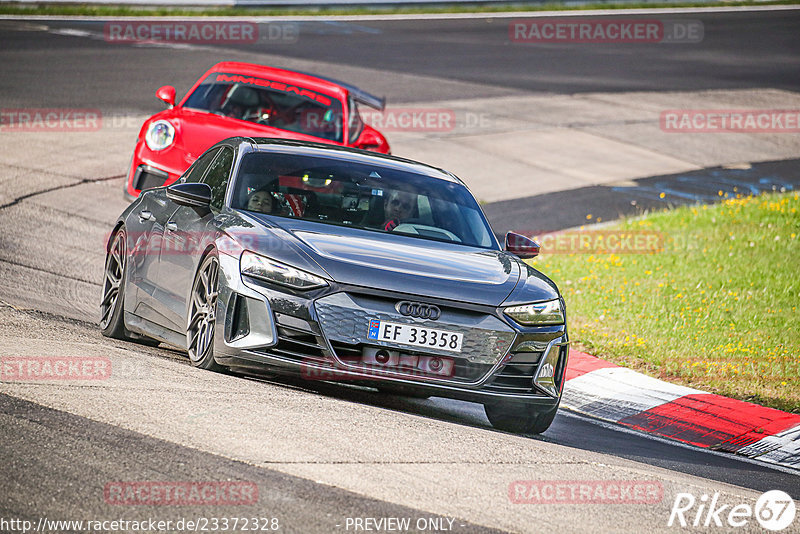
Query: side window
[217, 177]
[198, 168]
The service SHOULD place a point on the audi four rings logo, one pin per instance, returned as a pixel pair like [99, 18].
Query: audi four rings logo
[417, 309]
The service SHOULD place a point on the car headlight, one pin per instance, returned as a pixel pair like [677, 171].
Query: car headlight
[278, 273]
[537, 314]
[160, 134]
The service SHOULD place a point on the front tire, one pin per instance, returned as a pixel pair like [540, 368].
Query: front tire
[202, 314]
[520, 419]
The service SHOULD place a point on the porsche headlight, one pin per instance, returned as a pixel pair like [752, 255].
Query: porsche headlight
[160, 134]
[537, 314]
[278, 273]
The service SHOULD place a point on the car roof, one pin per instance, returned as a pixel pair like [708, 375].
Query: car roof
[289, 146]
[310, 81]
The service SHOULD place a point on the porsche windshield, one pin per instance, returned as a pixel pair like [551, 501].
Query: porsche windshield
[371, 196]
[277, 104]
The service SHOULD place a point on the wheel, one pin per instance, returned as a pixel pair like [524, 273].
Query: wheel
[111, 305]
[520, 419]
[202, 314]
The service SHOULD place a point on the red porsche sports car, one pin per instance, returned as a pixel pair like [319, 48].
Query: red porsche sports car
[243, 99]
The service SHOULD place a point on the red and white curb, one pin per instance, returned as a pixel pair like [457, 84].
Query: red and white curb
[609, 392]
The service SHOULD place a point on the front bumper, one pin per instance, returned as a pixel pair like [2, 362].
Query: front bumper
[143, 176]
[154, 169]
[322, 336]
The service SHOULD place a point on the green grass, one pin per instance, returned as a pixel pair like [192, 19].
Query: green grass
[44, 8]
[715, 308]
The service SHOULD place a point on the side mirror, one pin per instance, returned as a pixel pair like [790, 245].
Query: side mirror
[370, 140]
[521, 246]
[190, 194]
[167, 94]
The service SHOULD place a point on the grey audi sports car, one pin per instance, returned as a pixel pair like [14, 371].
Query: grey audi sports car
[339, 265]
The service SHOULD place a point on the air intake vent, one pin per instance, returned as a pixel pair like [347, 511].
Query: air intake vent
[148, 177]
[513, 378]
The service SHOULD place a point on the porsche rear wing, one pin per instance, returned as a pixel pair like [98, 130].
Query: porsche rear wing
[360, 96]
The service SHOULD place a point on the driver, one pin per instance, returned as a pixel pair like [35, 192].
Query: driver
[261, 201]
[398, 205]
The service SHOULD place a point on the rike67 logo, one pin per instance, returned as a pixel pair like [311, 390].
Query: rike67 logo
[774, 510]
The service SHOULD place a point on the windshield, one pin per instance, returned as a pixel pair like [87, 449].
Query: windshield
[271, 103]
[361, 195]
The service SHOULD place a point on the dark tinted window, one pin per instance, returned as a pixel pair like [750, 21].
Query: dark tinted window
[278, 104]
[196, 171]
[372, 196]
[217, 176]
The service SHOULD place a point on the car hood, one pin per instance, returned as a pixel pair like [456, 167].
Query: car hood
[391, 262]
[399, 263]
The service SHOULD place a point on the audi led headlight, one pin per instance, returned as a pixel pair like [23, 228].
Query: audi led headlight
[278, 273]
[160, 134]
[537, 314]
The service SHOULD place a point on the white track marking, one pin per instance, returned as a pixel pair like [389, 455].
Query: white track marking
[614, 393]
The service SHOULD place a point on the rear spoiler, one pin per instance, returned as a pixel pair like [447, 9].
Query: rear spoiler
[360, 96]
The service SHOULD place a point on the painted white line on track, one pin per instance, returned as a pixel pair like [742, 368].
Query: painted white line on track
[614, 393]
[777, 448]
[71, 32]
[428, 16]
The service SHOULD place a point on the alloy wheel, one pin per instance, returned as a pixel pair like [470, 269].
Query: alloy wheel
[202, 311]
[112, 281]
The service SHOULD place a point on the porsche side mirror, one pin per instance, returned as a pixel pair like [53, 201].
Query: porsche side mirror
[521, 246]
[369, 140]
[167, 94]
[190, 194]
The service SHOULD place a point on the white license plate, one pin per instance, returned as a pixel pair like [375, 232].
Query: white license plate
[417, 336]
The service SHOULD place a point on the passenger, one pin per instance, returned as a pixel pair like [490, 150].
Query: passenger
[399, 205]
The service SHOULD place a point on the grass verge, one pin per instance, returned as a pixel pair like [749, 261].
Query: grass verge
[714, 307]
[84, 10]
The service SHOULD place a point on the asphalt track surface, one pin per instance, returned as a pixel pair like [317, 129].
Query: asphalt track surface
[738, 51]
[568, 209]
[78, 457]
[55, 461]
